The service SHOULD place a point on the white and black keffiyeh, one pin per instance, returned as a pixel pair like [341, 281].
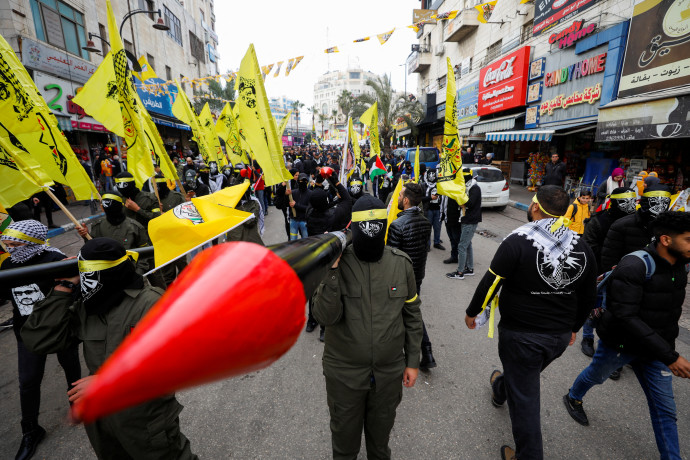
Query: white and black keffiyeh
[35, 236]
[261, 215]
[556, 246]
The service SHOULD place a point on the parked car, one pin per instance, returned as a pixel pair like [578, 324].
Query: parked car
[427, 155]
[493, 184]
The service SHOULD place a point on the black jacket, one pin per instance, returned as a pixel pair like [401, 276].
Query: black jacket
[626, 235]
[595, 234]
[452, 213]
[301, 203]
[555, 173]
[410, 233]
[473, 207]
[642, 316]
[334, 218]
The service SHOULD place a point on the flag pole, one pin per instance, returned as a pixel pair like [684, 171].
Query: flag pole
[65, 210]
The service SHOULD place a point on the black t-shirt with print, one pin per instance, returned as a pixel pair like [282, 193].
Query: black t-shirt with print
[26, 292]
[536, 296]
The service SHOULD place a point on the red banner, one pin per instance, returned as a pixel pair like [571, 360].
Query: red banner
[503, 84]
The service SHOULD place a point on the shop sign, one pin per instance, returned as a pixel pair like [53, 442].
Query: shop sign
[532, 117]
[467, 98]
[58, 94]
[157, 101]
[503, 84]
[550, 13]
[577, 31]
[41, 57]
[661, 119]
[589, 95]
[580, 69]
[534, 92]
[536, 68]
[657, 55]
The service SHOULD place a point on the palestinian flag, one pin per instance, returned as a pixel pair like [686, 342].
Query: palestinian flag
[377, 169]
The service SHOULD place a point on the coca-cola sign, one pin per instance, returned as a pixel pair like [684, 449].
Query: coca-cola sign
[503, 84]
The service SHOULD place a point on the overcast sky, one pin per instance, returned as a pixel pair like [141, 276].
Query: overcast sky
[281, 30]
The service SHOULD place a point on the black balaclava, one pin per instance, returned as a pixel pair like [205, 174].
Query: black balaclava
[213, 168]
[227, 172]
[319, 200]
[303, 182]
[431, 176]
[204, 171]
[190, 179]
[356, 188]
[369, 219]
[124, 182]
[236, 177]
[655, 200]
[623, 202]
[103, 279]
[162, 184]
[113, 206]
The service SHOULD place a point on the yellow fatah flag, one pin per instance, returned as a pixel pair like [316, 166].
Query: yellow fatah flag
[226, 129]
[243, 142]
[278, 66]
[182, 108]
[393, 210]
[354, 138]
[156, 144]
[258, 126]
[450, 181]
[360, 40]
[416, 165]
[146, 70]
[383, 38]
[209, 131]
[333, 49]
[28, 125]
[265, 70]
[445, 16]
[485, 10]
[370, 118]
[21, 175]
[283, 124]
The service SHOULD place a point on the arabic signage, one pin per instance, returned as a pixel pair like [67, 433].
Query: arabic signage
[41, 57]
[589, 95]
[503, 84]
[158, 102]
[661, 119]
[657, 56]
[577, 31]
[550, 13]
[467, 98]
[58, 94]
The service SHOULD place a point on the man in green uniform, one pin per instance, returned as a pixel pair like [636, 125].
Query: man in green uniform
[142, 206]
[369, 303]
[249, 231]
[113, 300]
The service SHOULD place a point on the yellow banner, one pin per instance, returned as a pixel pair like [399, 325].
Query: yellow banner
[393, 210]
[485, 10]
[226, 129]
[208, 130]
[283, 124]
[384, 37]
[370, 118]
[182, 108]
[21, 175]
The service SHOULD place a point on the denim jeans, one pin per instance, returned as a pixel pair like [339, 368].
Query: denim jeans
[260, 195]
[297, 228]
[108, 183]
[453, 231]
[434, 216]
[656, 381]
[588, 330]
[465, 254]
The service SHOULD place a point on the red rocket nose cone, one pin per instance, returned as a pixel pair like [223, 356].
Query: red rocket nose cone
[235, 309]
[326, 172]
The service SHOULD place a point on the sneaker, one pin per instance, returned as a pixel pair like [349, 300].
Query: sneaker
[615, 375]
[439, 246]
[574, 408]
[495, 400]
[455, 276]
[468, 272]
[311, 325]
[450, 260]
[508, 453]
[587, 347]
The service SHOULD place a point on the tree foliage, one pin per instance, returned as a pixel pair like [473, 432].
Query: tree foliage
[215, 90]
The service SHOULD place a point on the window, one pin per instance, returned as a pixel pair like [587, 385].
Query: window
[493, 51]
[203, 16]
[175, 31]
[196, 47]
[527, 31]
[152, 61]
[60, 25]
[147, 5]
[355, 75]
[128, 46]
[102, 33]
[168, 73]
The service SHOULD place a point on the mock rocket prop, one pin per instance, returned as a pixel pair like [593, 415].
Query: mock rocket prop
[235, 309]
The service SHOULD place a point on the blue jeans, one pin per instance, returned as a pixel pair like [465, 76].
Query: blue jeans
[656, 381]
[108, 183]
[434, 216]
[297, 228]
[588, 330]
[465, 254]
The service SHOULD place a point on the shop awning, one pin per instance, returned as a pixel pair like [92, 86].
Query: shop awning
[162, 122]
[571, 126]
[465, 128]
[497, 124]
[526, 135]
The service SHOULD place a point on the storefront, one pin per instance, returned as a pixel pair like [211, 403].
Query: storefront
[158, 102]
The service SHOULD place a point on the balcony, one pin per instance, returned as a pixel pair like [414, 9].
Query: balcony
[418, 61]
[463, 24]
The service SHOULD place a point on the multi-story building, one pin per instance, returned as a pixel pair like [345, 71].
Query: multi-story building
[559, 75]
[331, 85]
[50, 37]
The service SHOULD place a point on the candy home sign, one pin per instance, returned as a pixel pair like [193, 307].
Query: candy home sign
[503, 84]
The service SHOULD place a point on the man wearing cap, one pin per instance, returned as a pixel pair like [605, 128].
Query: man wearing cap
[113, 300]
[26, 243]
[141, 206]
[370, 307]
[547, 277]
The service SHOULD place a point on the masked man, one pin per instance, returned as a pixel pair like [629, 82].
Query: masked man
[141, 206]
[194, 186]
[369, 305]
[356, 189]
[216, 180]
[113, 299]
[300, 203]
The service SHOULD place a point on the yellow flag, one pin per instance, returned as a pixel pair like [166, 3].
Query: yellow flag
[485, 10]
[209, 131]
[213, 206]
[265, 70]
[283, 124]
[393, 210]
[292, 63]
[450, 181]
[448, 15]
[383, 38]
[370, 118]
[226, 129]
[416, 165]
[354, 138]
[146, 70]
[28, 125]
[333, 49]
[153, 139]
[182, 108]
[21, 175]
[243, 142]
[257, 124]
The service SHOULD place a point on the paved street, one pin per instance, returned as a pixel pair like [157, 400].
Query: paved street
[281, 412]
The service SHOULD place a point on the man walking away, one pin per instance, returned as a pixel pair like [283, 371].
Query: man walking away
[433, 214]
[548, 279]
[450, 212]
[298, 222]
[555, 171]
[469, 222]
[640, 326]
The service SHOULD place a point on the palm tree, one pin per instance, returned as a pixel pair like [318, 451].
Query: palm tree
[350, 105]
[322, 119]
[314, 112]
[296, 105]
[393, 108]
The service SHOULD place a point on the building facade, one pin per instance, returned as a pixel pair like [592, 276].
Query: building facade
[331, 85]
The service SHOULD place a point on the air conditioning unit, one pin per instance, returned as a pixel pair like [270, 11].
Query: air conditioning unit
[439, 50]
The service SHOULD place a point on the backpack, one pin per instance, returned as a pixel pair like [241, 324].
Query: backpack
[603, 283]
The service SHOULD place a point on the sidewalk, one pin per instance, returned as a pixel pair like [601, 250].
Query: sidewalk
[80, 211]
[520, 197]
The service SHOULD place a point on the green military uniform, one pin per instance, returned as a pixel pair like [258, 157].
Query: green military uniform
[248, 231]
[373, 332]
[148, 208]
[147, 431]
[170, 271]
[172, 199]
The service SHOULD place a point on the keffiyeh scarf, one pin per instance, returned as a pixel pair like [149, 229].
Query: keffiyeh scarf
[31, 232]
[556, 246]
